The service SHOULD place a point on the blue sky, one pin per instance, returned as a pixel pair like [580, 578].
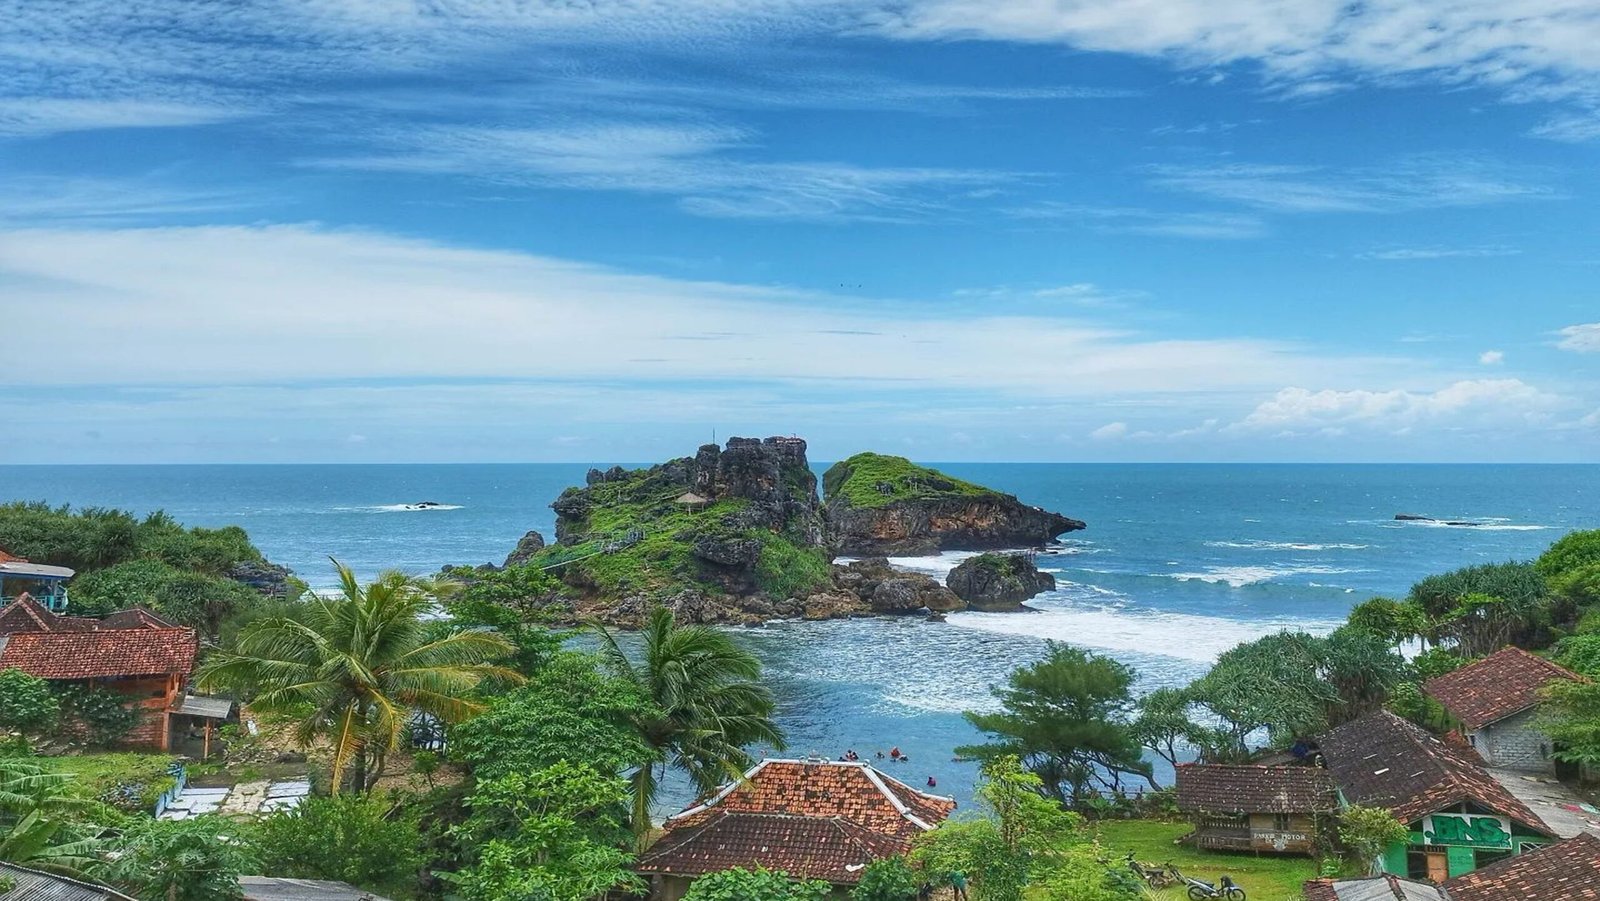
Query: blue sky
[500, 230]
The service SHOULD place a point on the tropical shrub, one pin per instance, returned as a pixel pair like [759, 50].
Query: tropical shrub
[27, 705]
[889, 879]
[755, 885]
[1366, 832]
[370, 843]
[180, 860]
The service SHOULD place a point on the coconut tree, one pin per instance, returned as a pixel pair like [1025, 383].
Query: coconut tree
[40, 825]
[708, 705]
[355, 669]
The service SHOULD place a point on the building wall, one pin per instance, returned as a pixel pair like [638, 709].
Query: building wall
[1514, 743]
[152, 697]
[1297, 836]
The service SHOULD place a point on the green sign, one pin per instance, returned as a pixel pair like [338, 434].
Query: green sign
[1466, 829]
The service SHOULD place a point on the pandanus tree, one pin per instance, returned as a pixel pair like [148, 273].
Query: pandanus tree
[708, 706]
[354, 670]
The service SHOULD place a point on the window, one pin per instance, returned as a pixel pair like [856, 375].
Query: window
[1482, 858]
[1280, 822]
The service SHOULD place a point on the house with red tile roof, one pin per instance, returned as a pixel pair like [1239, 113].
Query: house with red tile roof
[1565, 871]
[812, 819]
[1460, 817]
[1276, 809]
[1494, 702]
[134, 653]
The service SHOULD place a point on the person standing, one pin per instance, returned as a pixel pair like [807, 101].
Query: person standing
[958, 882]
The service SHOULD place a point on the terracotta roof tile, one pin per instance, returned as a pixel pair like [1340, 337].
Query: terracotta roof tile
[100, 653]
[1220, 788]
[1565, 871]
[814, 819]
[1501, 684]
[831, 848]
[11, 558]
[1382, 760]
[27, 615]
[136, 618]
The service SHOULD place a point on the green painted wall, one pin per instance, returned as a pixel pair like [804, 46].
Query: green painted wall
[1394, 859]
[1461, 860]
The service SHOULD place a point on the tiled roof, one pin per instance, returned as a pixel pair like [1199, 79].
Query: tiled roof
[853, 791]
[136, 618]
[1218, 788]
[805, 847]
[11, 558]
[1565, 871]
[101, 653]
[1499, 685]
[1382, 760]
[1372, 888]
[815, 819]
[27, 615]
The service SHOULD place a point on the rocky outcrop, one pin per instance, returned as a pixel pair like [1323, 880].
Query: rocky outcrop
[270, 579]
[998, 582]
[529, 545]
[880, 505]
[885, 589]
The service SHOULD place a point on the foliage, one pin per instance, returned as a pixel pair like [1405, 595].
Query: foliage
[1479, 608]
[93, 538]
[888, 879]
[1163, 725]
[569, 709]
[1435, 662]
[876, 480]
[1573, 551]
[102, 714]
[1067, 718]
[1366, 832]
[1080, 875]
[260, 609]
[551, 833]
[42, 820]
[706, 706]
[1570, 718]
[358, 667]
[1580, 653]
[1394, 622]
[755, 885]
[1292, 684]
[510, 601]
[27, 705]
[1266, 877]
[187, 597]
[181, 860]
[369, 843]
[788, 569]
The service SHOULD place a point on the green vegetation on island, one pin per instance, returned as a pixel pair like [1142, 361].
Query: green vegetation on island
[876, 480]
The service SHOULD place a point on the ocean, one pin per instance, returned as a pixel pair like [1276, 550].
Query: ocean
[1179, 563]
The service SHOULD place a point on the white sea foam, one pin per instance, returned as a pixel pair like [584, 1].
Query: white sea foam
[413, 508]
[1240, 576]
[1106, 627]
[1287, 546]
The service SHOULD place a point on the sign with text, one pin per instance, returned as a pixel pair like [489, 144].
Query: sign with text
[1466, 829]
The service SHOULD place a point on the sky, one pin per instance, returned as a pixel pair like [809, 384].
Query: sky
[1052, 230]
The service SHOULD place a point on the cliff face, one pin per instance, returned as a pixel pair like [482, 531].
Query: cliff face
[998, 583]
[882, 505]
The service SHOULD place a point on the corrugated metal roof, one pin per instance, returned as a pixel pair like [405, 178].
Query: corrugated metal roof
[210, 708]
[32, 885]
[35, 570]
[272, 888]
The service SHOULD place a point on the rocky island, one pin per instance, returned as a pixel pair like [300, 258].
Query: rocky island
[738, 534]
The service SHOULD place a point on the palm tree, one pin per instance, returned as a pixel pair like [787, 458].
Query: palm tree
[707, 706]
[355, 669]
[39, 827]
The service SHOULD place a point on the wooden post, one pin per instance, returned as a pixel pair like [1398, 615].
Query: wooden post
[206, 753]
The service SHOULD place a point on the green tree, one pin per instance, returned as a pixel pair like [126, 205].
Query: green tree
[1067, 717]
[369, 843]
[1394, 622]
[42, 822]
[1570, 717]
[889, 879]
[1580, 653]
[358, 667]
[180, 860]
[1366, 832]
[1480, 608]
[706, 705]
[99, 716]
[184, 596]
[27, 705]
[1363, 671]
[755, 885]
[1573, 551]
[569, 709]
[1163, 725]
[553, 833]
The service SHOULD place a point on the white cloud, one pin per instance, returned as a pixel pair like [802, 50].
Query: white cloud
[1438, 253]
[1140, 221]
[1492, 357]
[221, 305]
[1465, 404]
[1583, 338]
[1409, 184]
[1111, 431]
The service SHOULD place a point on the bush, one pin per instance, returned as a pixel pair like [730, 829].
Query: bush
[95, 538]
[27, 705]
[1574, 551]
[184, 596]
[1367, 832]
[754, 885]
[890, 879]
[180, 860]
[1580, 653]
[367, 842]
[103, 716]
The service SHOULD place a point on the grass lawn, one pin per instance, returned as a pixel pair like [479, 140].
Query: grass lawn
[99, 772]
[1264, 877]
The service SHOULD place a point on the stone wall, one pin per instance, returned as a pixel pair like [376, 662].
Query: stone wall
[1513, 743]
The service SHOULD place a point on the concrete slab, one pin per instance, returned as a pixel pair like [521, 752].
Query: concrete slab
[1551, 801]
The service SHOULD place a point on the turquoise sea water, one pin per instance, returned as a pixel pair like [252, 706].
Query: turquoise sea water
[1179, 563]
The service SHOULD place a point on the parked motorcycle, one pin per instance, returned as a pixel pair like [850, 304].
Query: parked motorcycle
[1201, 890]
[1155, 877]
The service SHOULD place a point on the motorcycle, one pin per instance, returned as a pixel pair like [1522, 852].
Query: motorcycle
[1155, 877]
[1201, 890]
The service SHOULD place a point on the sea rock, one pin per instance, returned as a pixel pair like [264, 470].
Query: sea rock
[725, 550]
[885, 589]
[269, 579]
[882, 505]
[833, 605]
[530, 544]
[998, 582]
